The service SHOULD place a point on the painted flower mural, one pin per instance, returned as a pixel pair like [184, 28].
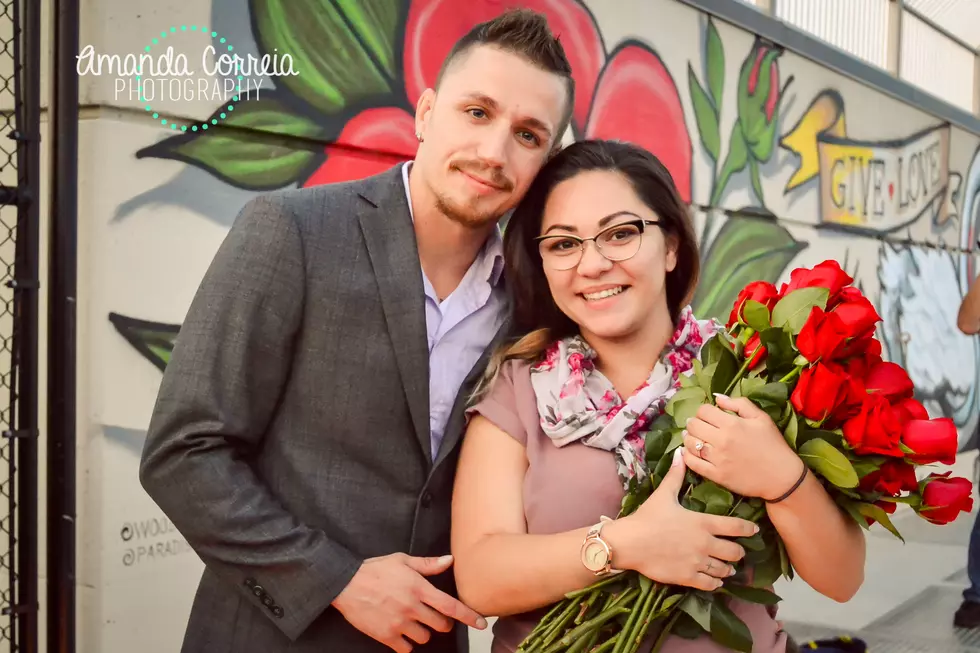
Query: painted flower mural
[350, 114]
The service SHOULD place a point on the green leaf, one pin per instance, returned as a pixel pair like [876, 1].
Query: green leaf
[752, 594]
[785, 565]
[728, 630]
[669, 602]
[704, 377]
[880, 516]
[792, 430]
[835, 438]
[793, 310]
[779, 347]
[717, 500]
[828, 461]
[756, 314]
[343, 50]
[715, 64]
[851, 507]
[686, 409]
[756, 180]
[154, 340]
[698, 609]
[706, 116]
[753, 543]
[750, 383]
[775, 392]
[768, 570]
[717, 352]
[687, 628]
[745, 250]
[250, 148]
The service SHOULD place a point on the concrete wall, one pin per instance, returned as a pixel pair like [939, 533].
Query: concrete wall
[840, 171]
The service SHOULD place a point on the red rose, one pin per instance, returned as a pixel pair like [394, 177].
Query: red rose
[754, 351]
[909, 409]
[893, 478]
[821, 336]
[856, 312]
[862, 356]
[876, 429]
[932, 440]
[823, 275]
[943, 498]
[851, 403]
[761, 291]
[819, 391]
[890, 381]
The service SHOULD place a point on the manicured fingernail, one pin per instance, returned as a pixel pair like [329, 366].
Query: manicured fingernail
[677, 457]
[721, 396]
[732, 572]
[685, 434]
[445, 560]
[755, 528]
[481, 623]
[687, 422]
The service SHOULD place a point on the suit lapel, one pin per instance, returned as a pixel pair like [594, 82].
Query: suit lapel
[456, 423]
[390, 237]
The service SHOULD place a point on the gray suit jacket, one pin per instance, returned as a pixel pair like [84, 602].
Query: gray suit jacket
[290, 438]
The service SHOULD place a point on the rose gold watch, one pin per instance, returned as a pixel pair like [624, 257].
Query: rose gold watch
[596, 552]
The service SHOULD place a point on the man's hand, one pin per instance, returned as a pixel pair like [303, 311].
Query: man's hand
[390, 600]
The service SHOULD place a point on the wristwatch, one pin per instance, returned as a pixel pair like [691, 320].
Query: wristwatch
[596, 552]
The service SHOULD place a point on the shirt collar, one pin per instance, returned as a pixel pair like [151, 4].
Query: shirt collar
[491, 256]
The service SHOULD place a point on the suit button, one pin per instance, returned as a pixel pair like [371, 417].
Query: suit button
[267, 601]
[258, 590]
[249, 582]
[276, 610]
[426, 499]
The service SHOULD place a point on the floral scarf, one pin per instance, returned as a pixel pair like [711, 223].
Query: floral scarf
[576, 402]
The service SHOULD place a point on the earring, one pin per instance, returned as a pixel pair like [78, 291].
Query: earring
[418, 135]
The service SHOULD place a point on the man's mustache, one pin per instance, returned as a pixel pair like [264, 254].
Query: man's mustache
[492, 176]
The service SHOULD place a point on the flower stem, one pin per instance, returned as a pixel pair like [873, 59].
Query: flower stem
[665, 633]
[585, 629]
[608, 644]
[739, 375]
[791, 375]
[633, 635]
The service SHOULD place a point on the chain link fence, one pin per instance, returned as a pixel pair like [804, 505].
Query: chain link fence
[19, 176]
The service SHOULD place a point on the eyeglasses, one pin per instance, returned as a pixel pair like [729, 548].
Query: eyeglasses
[616, 243]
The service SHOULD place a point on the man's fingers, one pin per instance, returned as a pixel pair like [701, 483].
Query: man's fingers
[452, 608]
[433, 619]
[730, 526]
[416, 632]
[429, 566]
[399, 645]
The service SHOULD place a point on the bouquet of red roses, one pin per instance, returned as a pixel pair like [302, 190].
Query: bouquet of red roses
[805, 354]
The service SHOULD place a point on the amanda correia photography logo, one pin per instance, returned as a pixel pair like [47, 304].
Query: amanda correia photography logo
[172, 69]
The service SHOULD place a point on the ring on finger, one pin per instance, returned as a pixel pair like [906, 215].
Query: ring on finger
[699, 448]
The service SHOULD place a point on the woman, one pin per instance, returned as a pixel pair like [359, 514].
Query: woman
[601, 260]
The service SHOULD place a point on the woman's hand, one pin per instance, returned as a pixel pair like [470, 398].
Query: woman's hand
[744, 452]
[668, 543]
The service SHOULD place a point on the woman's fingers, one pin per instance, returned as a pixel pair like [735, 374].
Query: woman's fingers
[706, 582]
[726, 550]
[723, 526]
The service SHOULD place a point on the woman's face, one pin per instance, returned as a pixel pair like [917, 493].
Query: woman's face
[609, 300]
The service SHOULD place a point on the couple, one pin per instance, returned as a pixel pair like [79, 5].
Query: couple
[308, 439]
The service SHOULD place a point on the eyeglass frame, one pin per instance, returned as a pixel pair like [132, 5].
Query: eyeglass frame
[638, 222]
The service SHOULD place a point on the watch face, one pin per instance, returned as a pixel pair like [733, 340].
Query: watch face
[594, 556]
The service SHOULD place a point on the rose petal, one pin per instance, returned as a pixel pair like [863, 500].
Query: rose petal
[434, 26]
[934, 440]
[890, 380]
[637, 101]
[371, 142]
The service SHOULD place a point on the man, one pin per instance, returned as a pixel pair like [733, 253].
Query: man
[968, 614]
[306, 433]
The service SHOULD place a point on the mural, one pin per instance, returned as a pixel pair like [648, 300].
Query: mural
[770, 193]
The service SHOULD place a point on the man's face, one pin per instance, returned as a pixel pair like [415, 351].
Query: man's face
[487, 132]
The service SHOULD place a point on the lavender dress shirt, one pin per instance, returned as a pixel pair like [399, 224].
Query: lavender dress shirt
[461, 326]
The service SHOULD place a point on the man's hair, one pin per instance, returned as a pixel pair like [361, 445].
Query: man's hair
[525, 33]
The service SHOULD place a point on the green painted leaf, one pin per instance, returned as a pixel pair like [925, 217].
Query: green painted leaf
[717, 500]
[343, 50]
[754, 175]
[828, 461]
[706, 116]
[752, 594]
[248, 149]
[793, 310]
[745, 250]
[756, 315]
[715, 64]
[728, 630]
[154, 340]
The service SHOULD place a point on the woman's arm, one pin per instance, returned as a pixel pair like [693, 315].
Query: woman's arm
[501, 569]
[827, 547]
[746, 453]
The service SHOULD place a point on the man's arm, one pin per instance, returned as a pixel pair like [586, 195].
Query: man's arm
[968, 319]
[219, 391]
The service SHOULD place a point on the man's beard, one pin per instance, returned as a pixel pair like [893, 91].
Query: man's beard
[467, 215]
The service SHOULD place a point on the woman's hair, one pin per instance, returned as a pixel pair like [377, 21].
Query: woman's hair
[534, 310]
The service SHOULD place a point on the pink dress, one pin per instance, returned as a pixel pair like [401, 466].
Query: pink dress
[571, 487]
